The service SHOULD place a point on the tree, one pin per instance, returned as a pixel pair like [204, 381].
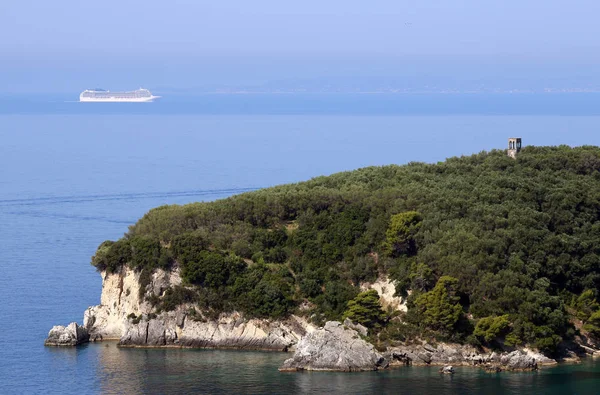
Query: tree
[145, 253]
[399, 237]
[593, 324]
[366, 310]
[585, 305]
[271, 296]
[439, 309]
[421, 277]
[490, 328]
[212, 269]
[111, 256]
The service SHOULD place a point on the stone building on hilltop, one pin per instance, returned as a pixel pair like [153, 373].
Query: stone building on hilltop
[514, 146]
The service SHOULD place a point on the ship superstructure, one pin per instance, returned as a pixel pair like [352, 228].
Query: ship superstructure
[100, 95]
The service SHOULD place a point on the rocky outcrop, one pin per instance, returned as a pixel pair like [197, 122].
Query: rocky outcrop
[177, 329]
[121, 298]
[582, 346]
[518, 361]
[123, 315]
[334, 347]
[456, 354]
[361, 329]
[71, 335]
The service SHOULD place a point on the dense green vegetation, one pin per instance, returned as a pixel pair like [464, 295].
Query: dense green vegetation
[439, 309]
[365, 309]
[493, 250]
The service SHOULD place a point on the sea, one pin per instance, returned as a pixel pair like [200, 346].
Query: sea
[75, 174]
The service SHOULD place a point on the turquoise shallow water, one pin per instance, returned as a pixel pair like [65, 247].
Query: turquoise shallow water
[69, 180]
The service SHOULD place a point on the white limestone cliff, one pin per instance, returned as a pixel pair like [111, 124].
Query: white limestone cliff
[120, 301]
[387, 294]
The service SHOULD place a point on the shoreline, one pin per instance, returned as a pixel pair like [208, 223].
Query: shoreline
[112, 321]
[394, 365]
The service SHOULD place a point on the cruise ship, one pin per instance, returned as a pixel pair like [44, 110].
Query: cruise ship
[100, 95]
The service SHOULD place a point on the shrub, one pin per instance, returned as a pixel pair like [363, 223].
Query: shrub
[111, 256]
[213, 269]
[176, 296]
[491, 328]
[145, 253]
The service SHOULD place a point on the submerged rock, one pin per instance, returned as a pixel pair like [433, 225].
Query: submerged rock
[464, 355]
[334, 347]
[71, 335]
[447, 370]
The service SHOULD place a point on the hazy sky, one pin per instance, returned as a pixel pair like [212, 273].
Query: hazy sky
[64, 44]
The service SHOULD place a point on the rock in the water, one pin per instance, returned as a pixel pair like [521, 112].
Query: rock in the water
[518, 360]
[71, 335]
[492, 368]
[464, 355]
[540, 358]
[447, 370]
[334, 347]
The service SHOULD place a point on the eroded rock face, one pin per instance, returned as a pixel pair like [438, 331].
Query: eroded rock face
[175, 329]
[120, 301]
[71, 335]
[334, 347]
[387, 294]
[361, 329]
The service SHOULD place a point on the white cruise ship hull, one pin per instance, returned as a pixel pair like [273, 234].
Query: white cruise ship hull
[117, 99]
[100, 95]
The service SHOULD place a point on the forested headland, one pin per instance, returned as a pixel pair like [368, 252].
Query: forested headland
[487, 249]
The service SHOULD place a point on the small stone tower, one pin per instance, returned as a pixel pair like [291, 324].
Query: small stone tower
[514, 146]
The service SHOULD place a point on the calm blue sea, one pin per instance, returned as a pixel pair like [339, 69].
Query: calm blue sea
[75, 174]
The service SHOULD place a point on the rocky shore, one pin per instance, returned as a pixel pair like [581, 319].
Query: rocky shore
[125, 315]
[340, 347]
[463, 355]
[335, 347]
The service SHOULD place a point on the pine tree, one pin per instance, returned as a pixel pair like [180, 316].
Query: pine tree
[439, 308]
[366, 310]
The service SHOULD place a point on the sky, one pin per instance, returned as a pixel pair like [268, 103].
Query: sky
[72, 44]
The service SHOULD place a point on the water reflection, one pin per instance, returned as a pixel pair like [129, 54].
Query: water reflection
[136, 371]
[132, 371]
